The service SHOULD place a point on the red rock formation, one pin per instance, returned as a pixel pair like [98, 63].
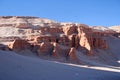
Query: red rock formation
[98, 40]
[73, 36]
[18, 45]
[63, 40]
[84, 36]
[49, 38]
[60, 51]
[23, 25]
[46, 48]
[100, 43]
[69, 29]
[6, 25]
[56, 51]
[55, 30]
[74, 41]
[72, 55]
[90, 39]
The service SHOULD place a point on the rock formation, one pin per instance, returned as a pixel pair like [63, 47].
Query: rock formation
[18, 45]
[47, 37]
[46, 48]
[72, 56]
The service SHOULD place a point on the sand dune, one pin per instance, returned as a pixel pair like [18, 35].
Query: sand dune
[18, 67]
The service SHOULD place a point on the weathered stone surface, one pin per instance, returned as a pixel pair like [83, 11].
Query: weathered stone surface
[43, 38]
[46, 48]
[84, 34]
[18, 44]
[23, 25]
[46, 37]
[90, 39]
[73, 36]
[74, 41]
[63, 40]
[69, 29]
[56, 51]
[60, 50]
[72, 55]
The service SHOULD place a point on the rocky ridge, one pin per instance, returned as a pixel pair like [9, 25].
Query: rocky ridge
[45, 37]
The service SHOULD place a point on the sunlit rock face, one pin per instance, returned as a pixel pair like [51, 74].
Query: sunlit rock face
[51, 38]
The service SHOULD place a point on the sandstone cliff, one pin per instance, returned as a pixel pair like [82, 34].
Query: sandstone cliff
[49, 38]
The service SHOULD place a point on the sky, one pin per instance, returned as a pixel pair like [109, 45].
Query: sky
[90, 12]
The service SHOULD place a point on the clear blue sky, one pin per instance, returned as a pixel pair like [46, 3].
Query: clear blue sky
[91, 12]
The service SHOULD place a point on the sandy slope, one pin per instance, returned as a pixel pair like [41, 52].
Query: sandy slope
[114, 46]
[18, 67]
[115, 28]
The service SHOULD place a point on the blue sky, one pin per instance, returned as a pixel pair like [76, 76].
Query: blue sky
[90, 12]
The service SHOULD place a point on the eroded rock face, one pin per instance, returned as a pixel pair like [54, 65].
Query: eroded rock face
[60, 50]
[74, 41]
[68, 35]
[99, 43]
[72, 55]
[46, 37]
[56, 51]
[46, 48]
[23, 25]
[69, 29]
[85, 37]
[18, 45]
[40, 39]
[90, 39]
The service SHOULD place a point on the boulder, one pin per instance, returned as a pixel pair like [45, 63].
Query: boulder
[18, 45]
[45, 48]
